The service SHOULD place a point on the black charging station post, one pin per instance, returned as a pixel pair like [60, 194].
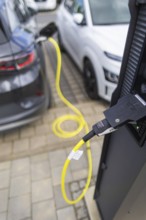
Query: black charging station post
[120, 192]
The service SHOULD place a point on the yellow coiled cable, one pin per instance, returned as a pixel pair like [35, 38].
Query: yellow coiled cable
[79, 119]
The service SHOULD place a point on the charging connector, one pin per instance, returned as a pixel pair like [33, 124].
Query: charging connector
[129, 108]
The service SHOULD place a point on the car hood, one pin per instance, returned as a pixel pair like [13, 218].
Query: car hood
[111, 38]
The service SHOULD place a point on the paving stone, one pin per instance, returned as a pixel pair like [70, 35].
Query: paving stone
[40, 170]
[3, 200]
[42, 129]
[3, 216]
[80, 204]
[21, 145]
[59, 200]
[4, 179]
[80, 174]
[82, 183]
[76, 194]
[57, 158]
[5, 149]
[11, 135]
[37, 142]
[27, 132]
[20, 167]
[5, 165]
[74, 187]
[56, 175]
[20, 186]
[26, 219]
[92, 183]
[38, 121]
[96, 148]
[19, 208]
[88, 111]
[96, 161]
[82, 213]
[44, 211]
[39, 158]
[66, 214]
[42, 190]
[48, 117]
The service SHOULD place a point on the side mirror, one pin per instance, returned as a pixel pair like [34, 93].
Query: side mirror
[48, 30]
[78, 18]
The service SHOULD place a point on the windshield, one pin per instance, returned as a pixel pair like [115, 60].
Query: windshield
[109, 12]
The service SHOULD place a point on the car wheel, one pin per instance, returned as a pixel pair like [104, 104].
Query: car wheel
[62, 48]
[90, 81]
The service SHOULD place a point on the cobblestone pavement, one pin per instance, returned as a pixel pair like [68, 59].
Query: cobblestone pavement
[32, 157]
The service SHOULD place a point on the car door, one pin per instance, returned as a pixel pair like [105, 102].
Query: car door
[65, 20]
[76, 31]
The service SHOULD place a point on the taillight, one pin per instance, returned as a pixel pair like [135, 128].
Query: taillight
[17, 62]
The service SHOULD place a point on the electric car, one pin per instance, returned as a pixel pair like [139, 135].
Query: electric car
[24, 90]
[94, 32]
[46, 4]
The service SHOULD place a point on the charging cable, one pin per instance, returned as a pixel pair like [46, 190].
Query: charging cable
[82, 124]
[129, 108]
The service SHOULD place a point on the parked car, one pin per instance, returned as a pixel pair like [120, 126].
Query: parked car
[94, 32]
[46, 4]
[24, 90]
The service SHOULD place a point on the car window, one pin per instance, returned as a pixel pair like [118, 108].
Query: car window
[3, 38]
[69, 5]
[78, 6]
[109, 11]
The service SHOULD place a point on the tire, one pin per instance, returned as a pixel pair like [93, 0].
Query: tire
[90, 80]
[62, 48]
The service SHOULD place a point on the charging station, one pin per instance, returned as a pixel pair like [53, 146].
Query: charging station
[120, 192]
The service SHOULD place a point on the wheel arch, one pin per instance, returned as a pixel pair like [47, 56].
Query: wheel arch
[97, 66]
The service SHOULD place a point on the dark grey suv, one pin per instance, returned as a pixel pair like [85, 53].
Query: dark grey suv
[24, 90]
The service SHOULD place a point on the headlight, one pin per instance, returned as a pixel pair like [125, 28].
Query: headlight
[113, 57]
[111, 77]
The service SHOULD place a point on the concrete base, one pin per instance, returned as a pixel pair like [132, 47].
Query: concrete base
[91, 205]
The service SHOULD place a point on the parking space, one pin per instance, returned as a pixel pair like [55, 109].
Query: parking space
[32, 157]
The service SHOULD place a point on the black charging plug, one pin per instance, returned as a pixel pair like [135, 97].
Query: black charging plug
[129, 108]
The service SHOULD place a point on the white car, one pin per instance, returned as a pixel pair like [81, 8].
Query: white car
[46, 4]
[94, 33]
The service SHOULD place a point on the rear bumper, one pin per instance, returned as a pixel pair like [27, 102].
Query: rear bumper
[23, 118]
[24, 104]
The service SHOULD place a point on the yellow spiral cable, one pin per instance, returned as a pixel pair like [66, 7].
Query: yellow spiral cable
[79, 119]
